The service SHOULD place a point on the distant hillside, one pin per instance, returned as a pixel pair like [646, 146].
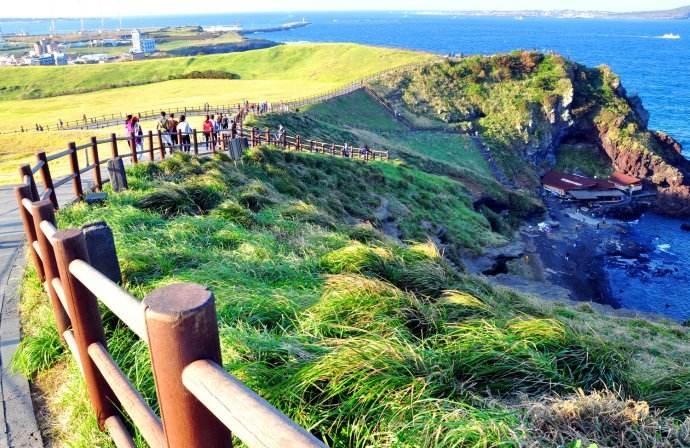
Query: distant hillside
[682, 13]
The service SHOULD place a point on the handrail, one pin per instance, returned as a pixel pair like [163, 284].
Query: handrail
[255, 421]
[148, 423]
[127, 308]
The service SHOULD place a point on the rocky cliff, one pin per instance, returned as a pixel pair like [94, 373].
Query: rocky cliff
[525, 105]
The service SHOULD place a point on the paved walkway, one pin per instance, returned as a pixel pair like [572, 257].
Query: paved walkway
[17, 422]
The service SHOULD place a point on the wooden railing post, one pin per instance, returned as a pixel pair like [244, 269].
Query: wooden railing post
[151, 155]
[47, 177]
[161, 146]
[268, 136]
[298, 143]
[311, 145]
[195, 140]
[43, 211]
[25, 171]
[182, 328]
[96, 164]
[24, 192]
[76, 176]
[70, 245]
[133, 144]
[113, 145]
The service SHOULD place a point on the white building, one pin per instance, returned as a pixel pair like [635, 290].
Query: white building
[140, 45]
[136, 41]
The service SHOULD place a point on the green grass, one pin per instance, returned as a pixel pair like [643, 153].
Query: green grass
[326, 63]
[587, 160]
[362, 339]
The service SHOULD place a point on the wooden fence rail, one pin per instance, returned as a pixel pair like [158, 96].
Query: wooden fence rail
[83, 159]
[200, 403]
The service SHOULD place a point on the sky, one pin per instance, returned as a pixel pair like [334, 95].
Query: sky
[115, 8]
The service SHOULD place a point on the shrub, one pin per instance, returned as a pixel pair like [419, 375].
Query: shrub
[257, 195]
[603, 418]
[169, 200]
[235, 213]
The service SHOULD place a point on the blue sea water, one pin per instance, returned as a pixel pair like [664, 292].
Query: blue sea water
[657, 69]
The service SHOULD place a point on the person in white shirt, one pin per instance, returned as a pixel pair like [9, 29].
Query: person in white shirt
[186, 130]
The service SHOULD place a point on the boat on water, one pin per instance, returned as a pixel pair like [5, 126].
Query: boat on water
[670, 36]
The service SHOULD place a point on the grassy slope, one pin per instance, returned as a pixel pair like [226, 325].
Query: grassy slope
[351, 333]
[328, 63]
[360, 119]
[499, 96]
[280, 73]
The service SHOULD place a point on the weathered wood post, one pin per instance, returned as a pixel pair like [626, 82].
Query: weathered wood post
[24, 192]
[253, 137]
[70, 245]
[47, 177]
[24, 172]
[298, 144]
[113, 145]
[151, 154]
[96, 164]
[311, 145]
[161, 146]
[133, 144]
[195, 137]
[268, 136]
[182, 328]
[76, 175]
[43, 211]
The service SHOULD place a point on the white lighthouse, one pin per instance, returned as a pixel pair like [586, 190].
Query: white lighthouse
[136, 41]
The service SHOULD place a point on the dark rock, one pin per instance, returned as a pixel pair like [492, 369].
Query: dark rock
[95, 198]
[100, 245]
[116, 172]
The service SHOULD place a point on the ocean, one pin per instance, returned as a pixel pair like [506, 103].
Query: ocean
[655, 68]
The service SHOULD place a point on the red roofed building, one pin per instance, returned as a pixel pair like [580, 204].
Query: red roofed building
[562, 183]
[625, 182]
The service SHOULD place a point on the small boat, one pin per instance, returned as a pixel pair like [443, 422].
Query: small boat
[670, 36]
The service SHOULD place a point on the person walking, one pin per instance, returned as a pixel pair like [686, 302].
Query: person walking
[208, 130]
[172, 128]
[185, 129]
[162, 126]
[138, 134]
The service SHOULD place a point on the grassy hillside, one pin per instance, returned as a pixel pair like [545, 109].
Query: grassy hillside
[325, 63]
[361, 338]
[358, 118]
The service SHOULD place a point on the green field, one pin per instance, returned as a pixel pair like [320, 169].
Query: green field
[281, 73]
[324, 63]
[363, 338]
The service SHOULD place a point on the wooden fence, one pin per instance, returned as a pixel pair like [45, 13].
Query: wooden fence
[154, 147]
[200, 403]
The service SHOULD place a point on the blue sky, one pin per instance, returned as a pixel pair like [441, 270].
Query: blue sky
[114, 8]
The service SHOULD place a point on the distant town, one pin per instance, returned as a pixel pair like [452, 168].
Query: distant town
[99, 47]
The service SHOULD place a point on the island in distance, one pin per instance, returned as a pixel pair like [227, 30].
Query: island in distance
[682, 13]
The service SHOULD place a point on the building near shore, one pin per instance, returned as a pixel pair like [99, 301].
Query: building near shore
[582, 188]
[562, 183]
[624, 182]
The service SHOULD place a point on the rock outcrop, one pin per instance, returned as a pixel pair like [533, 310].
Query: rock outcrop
[525, 105]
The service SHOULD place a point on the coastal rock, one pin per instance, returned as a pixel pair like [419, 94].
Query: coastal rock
[625, 249]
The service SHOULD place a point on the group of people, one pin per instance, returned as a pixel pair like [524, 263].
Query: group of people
[364, 151]
[173, 129]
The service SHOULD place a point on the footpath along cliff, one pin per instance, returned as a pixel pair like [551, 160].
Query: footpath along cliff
[536, 111]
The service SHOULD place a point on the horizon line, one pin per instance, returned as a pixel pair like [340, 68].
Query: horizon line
[319, 11]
